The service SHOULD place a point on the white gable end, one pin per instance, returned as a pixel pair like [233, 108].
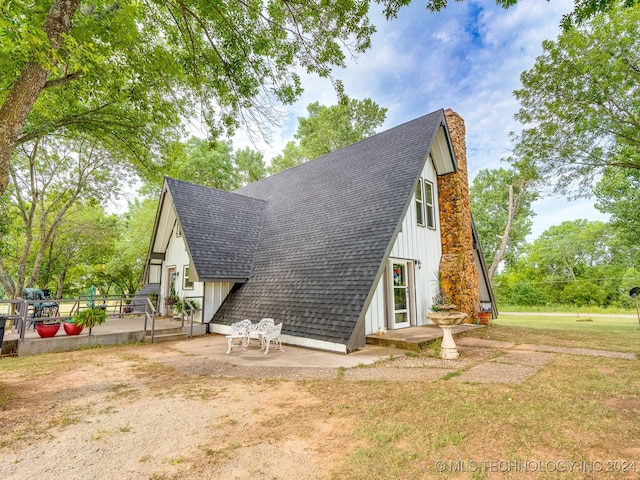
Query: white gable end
[421, 247]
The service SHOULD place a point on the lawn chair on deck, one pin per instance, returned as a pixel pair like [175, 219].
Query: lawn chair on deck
[239, 331]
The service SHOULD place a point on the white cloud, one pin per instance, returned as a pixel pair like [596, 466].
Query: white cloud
[468, 57]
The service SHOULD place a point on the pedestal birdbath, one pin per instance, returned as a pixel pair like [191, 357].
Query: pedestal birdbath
[446, 321]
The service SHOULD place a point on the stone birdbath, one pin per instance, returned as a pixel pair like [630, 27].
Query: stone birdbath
[446, 321]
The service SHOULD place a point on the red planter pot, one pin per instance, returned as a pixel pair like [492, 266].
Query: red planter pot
[484, 317]
[46, 330]
[71, 328]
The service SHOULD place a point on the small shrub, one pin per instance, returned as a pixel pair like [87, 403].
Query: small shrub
[90, 317]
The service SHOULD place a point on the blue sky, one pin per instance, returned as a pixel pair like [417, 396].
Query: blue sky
[468, 58]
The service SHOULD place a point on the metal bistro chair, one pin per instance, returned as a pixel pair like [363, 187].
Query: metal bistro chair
[259, 329]
[239, 331]
[272, 335]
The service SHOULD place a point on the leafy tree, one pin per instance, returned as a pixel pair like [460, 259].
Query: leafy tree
[50, 179]
[327, 129]
[128, 71]
[618, 193]
[579, 102]
[566, 250]
[501, 205]
[205, 163]
[125, 268]
[578, 262]
[79, 251]
[250, 165]
[291, 156]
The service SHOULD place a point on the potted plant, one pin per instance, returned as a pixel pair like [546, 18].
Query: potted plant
[71, 327]
[171, 302]
[90, 317]
[441, 302]
[485, 313]
[186, 305]
[47, 329]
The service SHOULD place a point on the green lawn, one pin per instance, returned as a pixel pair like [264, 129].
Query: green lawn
[596, 331]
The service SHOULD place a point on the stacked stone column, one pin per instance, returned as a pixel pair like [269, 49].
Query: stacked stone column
[458, 271]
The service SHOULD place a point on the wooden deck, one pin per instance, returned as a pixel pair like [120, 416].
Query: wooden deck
[413, 338]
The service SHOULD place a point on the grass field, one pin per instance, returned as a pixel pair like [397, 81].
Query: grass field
[576, 409]
[595, 331]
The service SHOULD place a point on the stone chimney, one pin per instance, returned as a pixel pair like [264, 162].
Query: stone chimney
[458, 270]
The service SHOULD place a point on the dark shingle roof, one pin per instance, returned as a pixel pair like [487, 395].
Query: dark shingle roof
[221, 229]
[328, 225]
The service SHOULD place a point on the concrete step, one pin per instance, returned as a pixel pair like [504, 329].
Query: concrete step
[165, 337]
[162, 331]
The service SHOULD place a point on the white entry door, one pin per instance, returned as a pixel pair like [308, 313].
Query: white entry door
[400, 295]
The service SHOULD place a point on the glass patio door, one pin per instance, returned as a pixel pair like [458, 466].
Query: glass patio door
[401, 316]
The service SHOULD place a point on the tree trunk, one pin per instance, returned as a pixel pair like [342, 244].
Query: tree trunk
[6, 281]
[512, 210]
[60, 284]
[27, 88]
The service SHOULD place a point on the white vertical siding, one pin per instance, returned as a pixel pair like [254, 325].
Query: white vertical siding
[413, 243]
[177, 257]
[155, 272]
[214, 295]
[376, 314]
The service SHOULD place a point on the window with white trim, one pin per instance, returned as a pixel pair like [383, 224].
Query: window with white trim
[187, 283]
[419, 204]
[429, 205]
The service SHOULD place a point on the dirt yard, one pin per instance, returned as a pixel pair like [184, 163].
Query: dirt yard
[154, 412]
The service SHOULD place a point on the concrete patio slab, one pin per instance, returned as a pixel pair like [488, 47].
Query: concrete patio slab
[214, 346]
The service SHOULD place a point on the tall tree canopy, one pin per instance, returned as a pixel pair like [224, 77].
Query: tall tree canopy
[579, 103]
[578, 262]
[327, 129]
[618, 194]
[127, 71]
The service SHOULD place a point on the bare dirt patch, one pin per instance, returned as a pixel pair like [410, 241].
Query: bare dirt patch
[154, 412]
[129, 415]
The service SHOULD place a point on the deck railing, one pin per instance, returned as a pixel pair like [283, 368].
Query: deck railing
[189, 311]
[25, 313]
[150, 315]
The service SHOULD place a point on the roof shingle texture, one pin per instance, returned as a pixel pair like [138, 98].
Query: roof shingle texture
[328, 224]
[221, 229]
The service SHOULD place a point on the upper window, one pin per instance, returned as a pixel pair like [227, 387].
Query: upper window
[187, 283]
[428, 204]
[419, 204]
